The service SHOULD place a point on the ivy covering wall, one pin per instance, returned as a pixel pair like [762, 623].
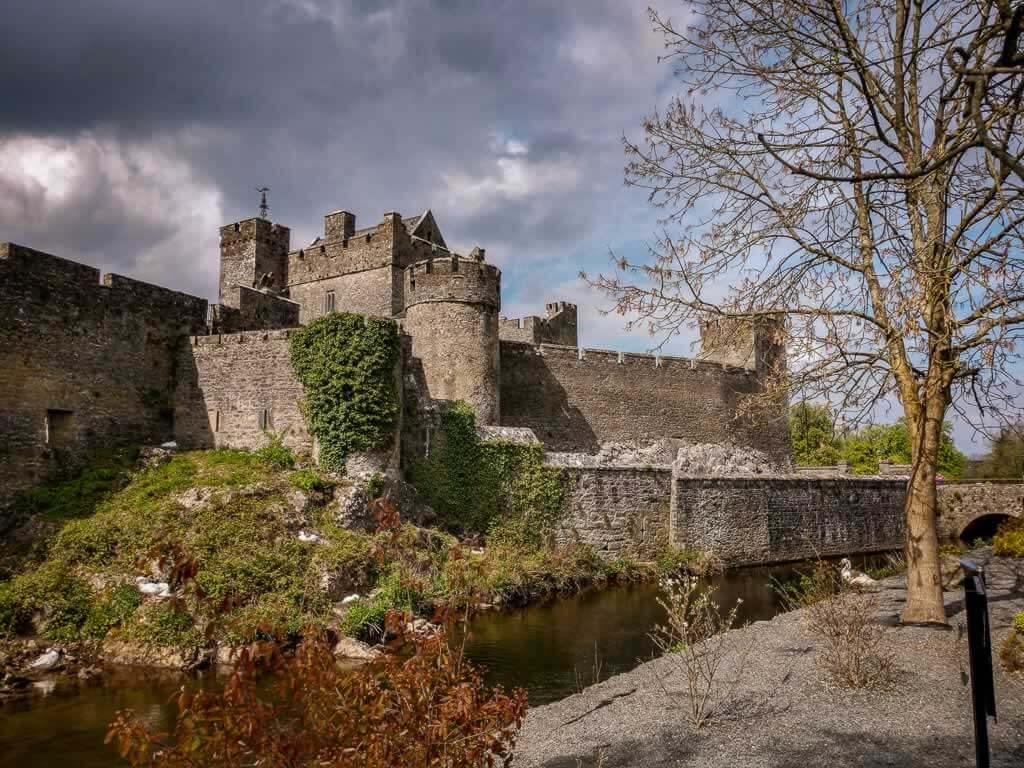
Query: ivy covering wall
[346, 364]
[496, 488]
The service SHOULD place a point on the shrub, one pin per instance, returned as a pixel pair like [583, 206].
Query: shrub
[895, 562]
[89, 541]
[853, 649]
[1009, 539]
[272, 617]
[807, 588]
[695, 642]
[672, 561]
[1012, 652]
[375, 486]
[51, 597]
[111, 610]
[1018, 623]
[365, 619]
[429, 710]
[276, 454]
[165, 625]
[309, 480]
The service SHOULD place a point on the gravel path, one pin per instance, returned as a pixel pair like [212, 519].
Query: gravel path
[782, 714]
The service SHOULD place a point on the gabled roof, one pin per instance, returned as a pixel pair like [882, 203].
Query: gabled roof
[423, 225]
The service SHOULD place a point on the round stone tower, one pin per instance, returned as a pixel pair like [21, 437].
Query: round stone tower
[451, 315]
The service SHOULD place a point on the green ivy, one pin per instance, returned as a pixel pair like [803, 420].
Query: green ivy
[498, 488]
[346, 365]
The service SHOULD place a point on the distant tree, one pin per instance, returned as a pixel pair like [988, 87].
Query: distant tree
[854, 167]
[813, 436]
[1005, 458]
[867, 447]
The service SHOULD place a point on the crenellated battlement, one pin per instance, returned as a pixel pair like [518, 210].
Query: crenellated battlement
[242, 337]
[588, 356]
[558, 326]
[36, 277]
[453, 279]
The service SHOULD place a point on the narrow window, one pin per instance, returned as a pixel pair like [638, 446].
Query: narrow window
[59, 427]
[328, 302]
[265, 421]
[215, 420]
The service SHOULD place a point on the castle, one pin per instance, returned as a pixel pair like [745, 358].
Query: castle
[89, 363]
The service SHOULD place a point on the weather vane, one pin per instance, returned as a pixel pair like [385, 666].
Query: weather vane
[264, 208]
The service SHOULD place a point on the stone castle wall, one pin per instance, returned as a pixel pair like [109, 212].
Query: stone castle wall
[234, 388]
[84, 365]
[617, 510]
[747, 520]
[575, 400]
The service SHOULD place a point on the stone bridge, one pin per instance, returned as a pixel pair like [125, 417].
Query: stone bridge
[971, 511]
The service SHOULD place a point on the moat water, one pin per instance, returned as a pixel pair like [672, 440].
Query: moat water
[548, 649]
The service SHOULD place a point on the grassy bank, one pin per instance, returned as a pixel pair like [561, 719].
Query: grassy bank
[249, 546]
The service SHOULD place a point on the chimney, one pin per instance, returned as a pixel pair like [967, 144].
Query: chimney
[339, 225]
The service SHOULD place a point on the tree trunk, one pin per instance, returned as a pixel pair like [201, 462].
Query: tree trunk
[924, 578]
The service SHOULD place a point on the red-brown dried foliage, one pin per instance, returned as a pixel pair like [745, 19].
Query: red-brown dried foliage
[431, 710]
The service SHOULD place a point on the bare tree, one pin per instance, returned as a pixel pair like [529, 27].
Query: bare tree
[855, 167]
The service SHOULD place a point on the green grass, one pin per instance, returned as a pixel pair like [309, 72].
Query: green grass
[223, 517]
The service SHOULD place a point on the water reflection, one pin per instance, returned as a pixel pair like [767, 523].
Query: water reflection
[547, 648]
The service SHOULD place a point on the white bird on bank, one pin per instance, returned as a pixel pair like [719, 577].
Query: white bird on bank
[855, 578]
[158, 589]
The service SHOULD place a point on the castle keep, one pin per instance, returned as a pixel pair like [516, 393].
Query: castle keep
[88, 364]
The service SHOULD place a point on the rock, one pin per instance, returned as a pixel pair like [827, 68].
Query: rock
[225, 655]
[690, 458]
[718, 460]
[154, 456]
[88, 673]
[350, 648]
[339, 585]
[161, 590]
[421, 628]
[351, 508]
[362, 465]
[47, 662]
[349, 599]
[170, 444]
[132, 654]
[309, 536]
[410, 508]
[194, 497]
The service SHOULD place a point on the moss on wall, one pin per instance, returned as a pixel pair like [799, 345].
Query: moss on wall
[496, 488]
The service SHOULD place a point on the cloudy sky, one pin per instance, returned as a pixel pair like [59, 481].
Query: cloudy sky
[129, 131]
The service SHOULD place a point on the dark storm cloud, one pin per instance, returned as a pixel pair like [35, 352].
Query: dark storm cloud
[503, 116]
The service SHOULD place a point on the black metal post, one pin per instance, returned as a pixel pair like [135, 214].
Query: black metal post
[979, 645]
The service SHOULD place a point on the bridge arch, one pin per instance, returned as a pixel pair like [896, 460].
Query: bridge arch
[969, 511]
[983, 526]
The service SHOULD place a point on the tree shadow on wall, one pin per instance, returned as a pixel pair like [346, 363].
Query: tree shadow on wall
[192, 427]
[532, 397]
